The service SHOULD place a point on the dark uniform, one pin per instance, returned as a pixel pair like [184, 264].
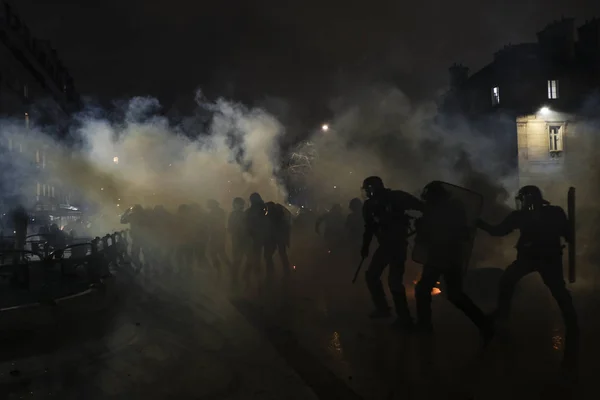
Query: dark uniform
[236, 226]
[443, 230]
[385, 218]
[134, 216]
[258, 230]
[217, 225]
[278, 237]
[539, 249]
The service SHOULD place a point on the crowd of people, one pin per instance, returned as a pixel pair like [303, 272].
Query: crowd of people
[194, 235]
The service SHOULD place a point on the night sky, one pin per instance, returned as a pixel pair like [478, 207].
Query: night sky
[306, 52]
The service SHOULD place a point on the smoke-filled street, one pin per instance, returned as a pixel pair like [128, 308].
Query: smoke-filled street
[306, 336]
[299, 200]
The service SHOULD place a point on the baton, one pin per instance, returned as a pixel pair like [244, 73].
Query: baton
[358, 270]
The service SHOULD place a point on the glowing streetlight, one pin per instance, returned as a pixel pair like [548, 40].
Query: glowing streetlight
[325, 127]
[544, 110]
[116, 160]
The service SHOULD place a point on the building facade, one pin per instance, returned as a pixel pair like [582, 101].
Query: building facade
[547, 90]
[35, 90]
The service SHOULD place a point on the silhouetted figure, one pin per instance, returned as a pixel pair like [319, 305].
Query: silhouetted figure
[58, 238]
[236, 226]
[160, 238]
[134, 216]
[385, 218]
[539, 249]
[443, 230]
[257, 228]
[355, 225]
[334, 227]
[185, 248]
[216, 225]
[201, 234]
[278, 237]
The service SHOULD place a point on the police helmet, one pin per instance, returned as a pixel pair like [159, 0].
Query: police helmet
[255, 199]
[238, 203]
[433, 191]
[529, 198]
[372, 185]
[355, 204]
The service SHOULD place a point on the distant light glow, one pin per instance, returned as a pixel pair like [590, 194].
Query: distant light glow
[116, 160]
[325, 127]
[544, 110]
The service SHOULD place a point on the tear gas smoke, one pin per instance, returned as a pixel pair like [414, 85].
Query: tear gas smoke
[375, 131]
[157, 163]
[379, 132]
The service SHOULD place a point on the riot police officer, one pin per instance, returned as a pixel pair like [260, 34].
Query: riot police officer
[385, 218]
[443, 232]
[539, 249]
[258, 231]
[236, 227]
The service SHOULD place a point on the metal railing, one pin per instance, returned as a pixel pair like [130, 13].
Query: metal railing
[94, 255]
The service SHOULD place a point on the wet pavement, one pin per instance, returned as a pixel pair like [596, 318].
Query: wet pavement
[146, 344]
[308, 337]
[327, 317]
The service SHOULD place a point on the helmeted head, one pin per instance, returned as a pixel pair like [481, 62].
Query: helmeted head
[212, 204]
[355, 205]
[529, 198]
[238, 204]
[372, 186]
[256, 200]
[434, 192]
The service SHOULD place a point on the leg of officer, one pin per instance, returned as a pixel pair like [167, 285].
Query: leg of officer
[396, 284]
[429, 278]
[457, 296]
[552, 275]
[373, 277]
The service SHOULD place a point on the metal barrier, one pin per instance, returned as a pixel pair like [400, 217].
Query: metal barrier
[95, 255]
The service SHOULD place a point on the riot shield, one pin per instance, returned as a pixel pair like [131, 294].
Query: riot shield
[572, 233]
[471, 204]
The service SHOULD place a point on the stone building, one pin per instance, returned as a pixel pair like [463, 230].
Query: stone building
[548, 92]
[35, 89]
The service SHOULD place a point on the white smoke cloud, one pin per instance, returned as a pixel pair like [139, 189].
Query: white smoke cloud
[145, 160]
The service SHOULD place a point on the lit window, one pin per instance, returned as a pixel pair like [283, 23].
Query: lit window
[553, 89]
[555, 133]
[495, 96]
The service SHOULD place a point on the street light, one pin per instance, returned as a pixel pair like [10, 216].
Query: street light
[325, 127]
[544, 110]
